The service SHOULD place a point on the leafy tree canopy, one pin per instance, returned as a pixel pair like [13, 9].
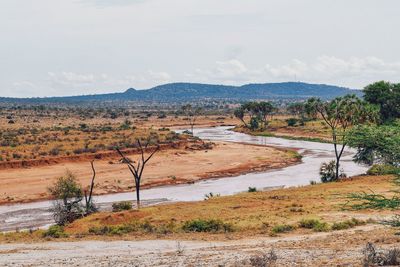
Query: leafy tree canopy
[387, 96]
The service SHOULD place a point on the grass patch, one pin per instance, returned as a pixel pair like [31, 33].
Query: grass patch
[145, 227]
[207, 226]
[55, 231]
[120, 206]
[383, 169]
[282, 228]
[314, 224]
[347, 224]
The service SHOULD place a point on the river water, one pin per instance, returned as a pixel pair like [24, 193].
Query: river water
[34, 215]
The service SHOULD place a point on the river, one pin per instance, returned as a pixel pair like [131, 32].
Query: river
[36, 214]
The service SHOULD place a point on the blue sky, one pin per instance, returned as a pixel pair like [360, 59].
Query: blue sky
[52, 48]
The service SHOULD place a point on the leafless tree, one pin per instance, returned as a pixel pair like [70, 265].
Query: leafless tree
[137, 168]
[90, 207]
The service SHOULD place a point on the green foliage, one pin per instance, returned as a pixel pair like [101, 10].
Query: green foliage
[387, 96]
[383, 169]
[257, 113]
[55, 231]
[252, 189]
[282, 228]
[347, 224]
[292, 122]
[206, 226]
[68, 195]
[145, 227]
[340, 114]
[66, 187]
[314, 224]
[376, 144]
[120, 206]
[372, 201]
[327, 172]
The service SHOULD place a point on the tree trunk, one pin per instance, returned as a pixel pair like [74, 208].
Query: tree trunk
[337, 168]
[138, 196]
[337, 156]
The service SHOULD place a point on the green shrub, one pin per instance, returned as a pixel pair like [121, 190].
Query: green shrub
[347, 224]
[282, 228]
[383, 169]
[309, 223]
[322, 227]
[252, 189]
[327, 171]
[206, 226]
[120, 206]
[314, 224]
[55, 231]
[122, 229]
[292, 122]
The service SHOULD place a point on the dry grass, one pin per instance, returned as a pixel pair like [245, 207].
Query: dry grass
[250, 214]
[312, 130]
[253, 212]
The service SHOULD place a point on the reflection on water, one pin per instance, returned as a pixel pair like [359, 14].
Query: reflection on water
[314, 153]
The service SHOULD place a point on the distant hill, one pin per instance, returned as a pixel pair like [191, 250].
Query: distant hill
[177, 92]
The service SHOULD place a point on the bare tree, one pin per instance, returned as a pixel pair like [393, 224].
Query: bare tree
[90, 207]
[137, 171]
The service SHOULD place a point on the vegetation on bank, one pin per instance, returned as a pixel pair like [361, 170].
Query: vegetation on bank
[242, 215]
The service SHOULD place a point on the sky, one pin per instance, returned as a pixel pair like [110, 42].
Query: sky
[75, 47]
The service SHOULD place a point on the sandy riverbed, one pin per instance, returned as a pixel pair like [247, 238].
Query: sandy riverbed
[171, 166]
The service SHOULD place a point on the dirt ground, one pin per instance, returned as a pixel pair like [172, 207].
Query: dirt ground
[225, 159]
[341, 248]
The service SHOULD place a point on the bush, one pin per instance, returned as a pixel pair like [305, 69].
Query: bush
[383, 169]
[206, 226]
[252, 189]
[120, 206]
[314, 224]
[55, 231]
[282, 228]
[292, 122]
[122, 229]
[327, 171]
[347, 224]
[68, 195]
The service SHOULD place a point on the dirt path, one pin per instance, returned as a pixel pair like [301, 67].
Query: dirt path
[341, 248]
[172, 166]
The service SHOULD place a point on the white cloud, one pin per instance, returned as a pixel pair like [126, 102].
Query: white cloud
[353, 72]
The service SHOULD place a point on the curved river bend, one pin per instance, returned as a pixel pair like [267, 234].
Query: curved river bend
[33, 215]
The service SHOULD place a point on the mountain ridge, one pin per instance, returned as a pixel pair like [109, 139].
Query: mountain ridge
[181, 91]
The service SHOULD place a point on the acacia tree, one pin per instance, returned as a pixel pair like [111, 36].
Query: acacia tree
[387, 96]
[191, 113]
[340, 115]
[137, 170]
[376, 144]
[257, 112]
